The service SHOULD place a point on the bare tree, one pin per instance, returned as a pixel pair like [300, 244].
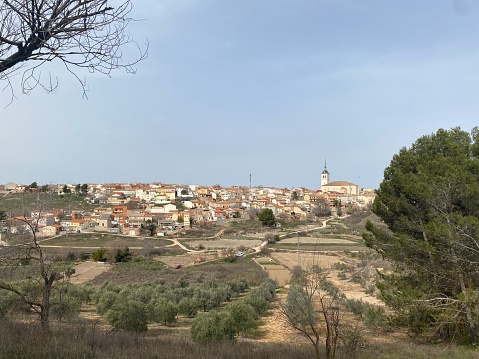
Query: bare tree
[88, 34]
[23, 249]
[313, 312]
[322, 208]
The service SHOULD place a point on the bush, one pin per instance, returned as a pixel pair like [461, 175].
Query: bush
[342, 275]
[84, 256]
[128, 315]
[213, 326]
[7, 302]
[370, 289]
[243, 315]
[99, 255]
[356, 306]
[375, 317]
[270, 238]
[66, 302]
[71, 256]
[122, 255]
[351, 342]
[258, 302]
[104, 301]
[162, 311]
[266, 217]
[188, 307]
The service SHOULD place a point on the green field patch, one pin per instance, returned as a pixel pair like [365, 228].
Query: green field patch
[269, 263]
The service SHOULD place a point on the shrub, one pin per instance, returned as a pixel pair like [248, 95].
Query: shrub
[375, 317]
[356, 306]
[243, 315]
[104, 301]
[370, 289]
[162, 311]
[270, 238]
[213, 326]
[99, 255]
[258, 302]
[66, 302]
[351, 342]
[342, 275]
[71, 256]
[122, 255]
[84, 256]
[266, 217]
[188, 307]
[357, 277]
[128, 315]
[7, 302]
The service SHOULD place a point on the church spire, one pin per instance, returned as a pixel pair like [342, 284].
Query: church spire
[324, 175]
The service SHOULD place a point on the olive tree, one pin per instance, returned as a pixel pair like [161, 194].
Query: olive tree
[127, 314]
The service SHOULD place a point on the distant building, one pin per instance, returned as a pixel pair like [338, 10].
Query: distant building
[341, 187]
[324, 176]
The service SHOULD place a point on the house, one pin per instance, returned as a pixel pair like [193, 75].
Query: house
[10, 187]
[76, 225]
[105, 220]
[49, 231]
[136, 217]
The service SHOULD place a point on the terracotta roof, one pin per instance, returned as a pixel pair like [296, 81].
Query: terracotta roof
[340, 183]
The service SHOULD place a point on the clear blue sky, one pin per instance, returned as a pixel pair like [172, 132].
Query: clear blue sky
[267, 87]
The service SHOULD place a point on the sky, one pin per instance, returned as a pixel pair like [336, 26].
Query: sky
[271, 88]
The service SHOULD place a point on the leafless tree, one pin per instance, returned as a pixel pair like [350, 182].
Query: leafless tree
[23, 249]
[88, 34]
[322, 208]
[313, 312]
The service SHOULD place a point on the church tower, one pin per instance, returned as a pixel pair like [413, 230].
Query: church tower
[324, 175]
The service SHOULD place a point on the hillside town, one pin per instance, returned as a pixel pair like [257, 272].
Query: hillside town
[130, 208]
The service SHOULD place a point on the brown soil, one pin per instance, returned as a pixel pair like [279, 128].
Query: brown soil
[327, 261]
[87, 271]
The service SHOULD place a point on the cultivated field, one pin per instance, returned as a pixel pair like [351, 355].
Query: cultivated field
[87, 271]
[223, 243]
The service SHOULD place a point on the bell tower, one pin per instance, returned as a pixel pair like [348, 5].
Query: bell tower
[324, 175]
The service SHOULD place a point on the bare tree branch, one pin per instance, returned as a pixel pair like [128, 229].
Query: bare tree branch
[88, 34]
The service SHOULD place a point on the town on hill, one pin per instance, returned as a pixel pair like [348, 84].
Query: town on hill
[127, 208]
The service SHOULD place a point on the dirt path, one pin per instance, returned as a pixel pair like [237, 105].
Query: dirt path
[327, 261]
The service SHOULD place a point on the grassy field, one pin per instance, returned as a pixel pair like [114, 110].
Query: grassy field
[86, 340]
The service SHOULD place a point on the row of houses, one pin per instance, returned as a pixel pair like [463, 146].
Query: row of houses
[129, 208]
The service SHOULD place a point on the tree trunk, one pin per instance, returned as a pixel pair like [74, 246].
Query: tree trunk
[45, 309]
[469, 316]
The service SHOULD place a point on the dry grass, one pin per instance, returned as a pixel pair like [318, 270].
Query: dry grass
[81, 341]
[148, 270]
